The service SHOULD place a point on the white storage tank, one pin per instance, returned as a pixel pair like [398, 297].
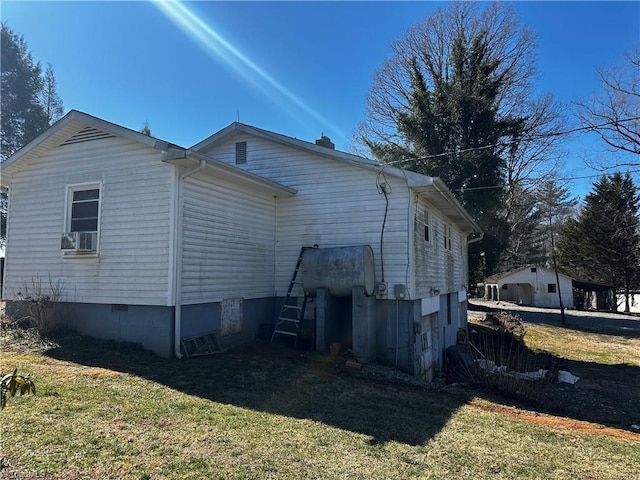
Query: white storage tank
[339, 269]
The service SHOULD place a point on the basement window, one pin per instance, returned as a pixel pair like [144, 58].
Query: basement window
[241, 153]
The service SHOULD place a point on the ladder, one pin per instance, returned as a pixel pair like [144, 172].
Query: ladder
[291, 314]
[204, 344]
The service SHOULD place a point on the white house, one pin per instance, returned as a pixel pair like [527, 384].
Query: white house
[154, 243]
[532, 285]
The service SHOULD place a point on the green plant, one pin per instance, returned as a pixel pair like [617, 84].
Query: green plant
[13, 383]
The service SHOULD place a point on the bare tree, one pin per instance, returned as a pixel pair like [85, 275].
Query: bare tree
[614, 112]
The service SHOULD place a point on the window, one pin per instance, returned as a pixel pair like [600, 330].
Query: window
[421, 224]
[427, 232]
[241, 153]
[447, 237]
[551, 288]
[84, 210]
[80, 233]
[534, 269]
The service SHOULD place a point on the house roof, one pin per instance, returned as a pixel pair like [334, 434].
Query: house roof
[82, 125]
[79, 126]
[494, 279]
[433, 189]
[69, 125]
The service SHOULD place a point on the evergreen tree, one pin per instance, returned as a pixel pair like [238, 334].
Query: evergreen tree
[50, 100]
[603, 243]
[29, 102]
[454, 102]
[23, 116]
[145, 129]
[535, 220]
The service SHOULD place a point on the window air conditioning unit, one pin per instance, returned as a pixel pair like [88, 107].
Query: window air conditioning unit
[79, 241]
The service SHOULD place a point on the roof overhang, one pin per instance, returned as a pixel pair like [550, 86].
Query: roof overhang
[187, 158]
[434, 190]
[504, 277]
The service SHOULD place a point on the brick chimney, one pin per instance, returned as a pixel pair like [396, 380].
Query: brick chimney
[325, 141]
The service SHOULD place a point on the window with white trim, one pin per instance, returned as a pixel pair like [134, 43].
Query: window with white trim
[422, 224]
[447, 236]
[82, 220]
[426, 226]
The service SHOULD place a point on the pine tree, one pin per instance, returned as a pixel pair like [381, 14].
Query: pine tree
[455, 102]
[50, 100]
[23, 116]
[29, 102]
[603, 243]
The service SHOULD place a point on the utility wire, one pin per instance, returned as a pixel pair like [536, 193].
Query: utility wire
[515, 140]
[562, 179]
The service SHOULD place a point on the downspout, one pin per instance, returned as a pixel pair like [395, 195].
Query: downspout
[275, 247]
[178, 277]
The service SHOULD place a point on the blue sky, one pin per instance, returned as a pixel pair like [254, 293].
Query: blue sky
[296, 68]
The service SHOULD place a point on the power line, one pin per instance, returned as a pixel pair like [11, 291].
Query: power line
[514, 141]
[562, 179]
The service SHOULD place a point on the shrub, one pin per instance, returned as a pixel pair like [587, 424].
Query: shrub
[41, 306]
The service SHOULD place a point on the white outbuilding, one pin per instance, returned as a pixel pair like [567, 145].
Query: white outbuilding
[531, 285]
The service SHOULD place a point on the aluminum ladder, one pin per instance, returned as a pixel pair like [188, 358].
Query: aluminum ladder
[291, 314]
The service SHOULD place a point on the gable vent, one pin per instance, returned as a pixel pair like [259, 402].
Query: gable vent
[87, 134]
[241, 153]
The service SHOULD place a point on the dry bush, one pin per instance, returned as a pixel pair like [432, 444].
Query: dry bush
[41, 306]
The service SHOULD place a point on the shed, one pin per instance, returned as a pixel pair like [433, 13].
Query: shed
[532, 285]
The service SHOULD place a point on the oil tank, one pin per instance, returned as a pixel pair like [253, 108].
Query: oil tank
[339, 269]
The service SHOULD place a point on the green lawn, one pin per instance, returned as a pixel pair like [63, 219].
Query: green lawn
[106, 410]
[584, 346]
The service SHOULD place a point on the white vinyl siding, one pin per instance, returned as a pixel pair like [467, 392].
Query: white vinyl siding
[337, 204]
[132, 264]
[228, 241]
[438, 268]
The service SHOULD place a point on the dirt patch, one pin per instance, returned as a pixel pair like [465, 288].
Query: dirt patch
[551, 421]
[507, 323]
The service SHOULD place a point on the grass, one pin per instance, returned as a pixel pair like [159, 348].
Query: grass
[107, 410]
[584, 346]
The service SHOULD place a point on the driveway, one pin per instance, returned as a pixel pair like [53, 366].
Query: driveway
[605, 322]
